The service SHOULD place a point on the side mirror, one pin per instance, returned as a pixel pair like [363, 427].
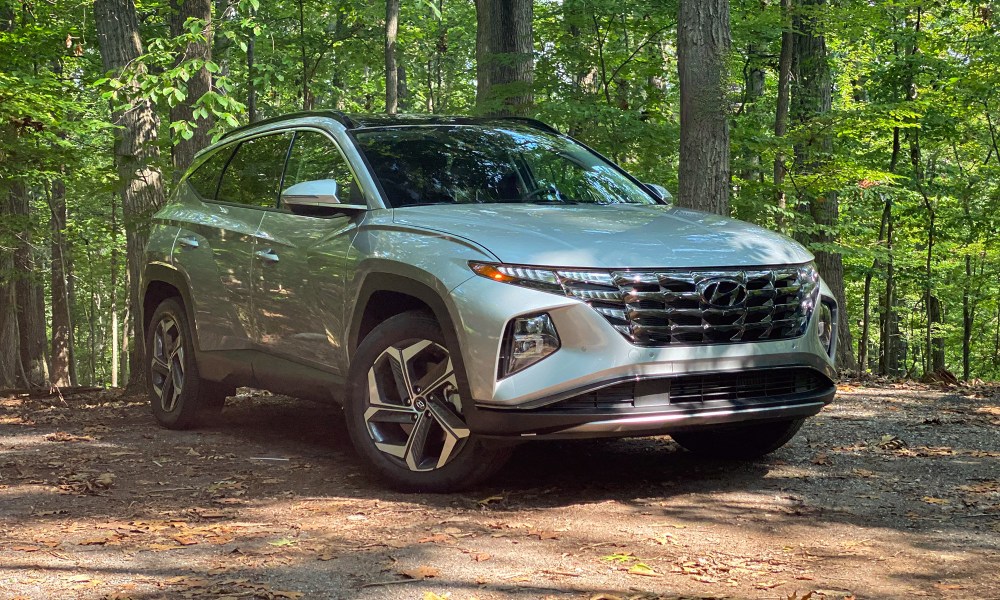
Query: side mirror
[321, 192]
[659, 192]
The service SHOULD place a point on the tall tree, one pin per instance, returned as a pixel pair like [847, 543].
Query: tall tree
[812, 97]
[703, 41]
[781, 107]
[62, 324]
[505, 62]
[32, 369]
[199, 83]
[136, 155]
[391, 71]
[10, 355]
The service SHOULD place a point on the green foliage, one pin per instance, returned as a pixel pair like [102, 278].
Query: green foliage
[605, 72]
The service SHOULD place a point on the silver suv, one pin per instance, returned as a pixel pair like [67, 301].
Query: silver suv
[462, 284]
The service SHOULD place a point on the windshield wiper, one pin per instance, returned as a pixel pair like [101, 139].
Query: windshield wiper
[554, 202]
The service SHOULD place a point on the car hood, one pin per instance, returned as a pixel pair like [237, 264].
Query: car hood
[613, 236]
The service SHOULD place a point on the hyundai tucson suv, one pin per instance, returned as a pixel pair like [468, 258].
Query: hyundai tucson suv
[463, 284]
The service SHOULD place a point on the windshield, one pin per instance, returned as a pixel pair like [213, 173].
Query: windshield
[471, 164]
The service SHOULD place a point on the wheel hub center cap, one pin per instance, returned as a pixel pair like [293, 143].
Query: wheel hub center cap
[420, 404]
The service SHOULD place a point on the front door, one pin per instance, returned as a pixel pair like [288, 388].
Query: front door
[298, 291]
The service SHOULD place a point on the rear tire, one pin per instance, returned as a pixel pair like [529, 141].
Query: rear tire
[178, 396]
[739, 442]
[404, 410]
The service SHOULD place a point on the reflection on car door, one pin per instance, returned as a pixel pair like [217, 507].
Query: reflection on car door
[299, 297]
[213, 249]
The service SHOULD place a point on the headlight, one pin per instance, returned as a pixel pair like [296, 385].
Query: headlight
[527, 340]
[826, 324]
[541, 279]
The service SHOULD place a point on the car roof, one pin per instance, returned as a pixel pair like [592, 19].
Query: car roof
[364, 121]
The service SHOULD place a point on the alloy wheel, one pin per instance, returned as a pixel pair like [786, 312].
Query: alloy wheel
[414, 409]
[167, 363]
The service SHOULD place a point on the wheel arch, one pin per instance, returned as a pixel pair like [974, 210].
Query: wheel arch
[160, 282]
[385, 295]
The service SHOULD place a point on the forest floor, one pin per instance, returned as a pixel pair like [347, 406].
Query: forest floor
[892, 492]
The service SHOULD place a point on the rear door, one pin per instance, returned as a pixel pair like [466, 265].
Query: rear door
[228, 195]
[299, 295]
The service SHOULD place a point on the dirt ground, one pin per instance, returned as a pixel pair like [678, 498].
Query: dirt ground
[892, 492]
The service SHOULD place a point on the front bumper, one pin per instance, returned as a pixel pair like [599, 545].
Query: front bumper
[662, 406]
[592, 353]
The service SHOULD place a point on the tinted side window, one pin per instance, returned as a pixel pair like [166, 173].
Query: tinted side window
[254, 173]
[205, 178]
[315, 157]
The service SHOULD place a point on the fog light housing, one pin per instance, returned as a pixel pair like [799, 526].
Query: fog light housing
[526, 341]
[826, 325]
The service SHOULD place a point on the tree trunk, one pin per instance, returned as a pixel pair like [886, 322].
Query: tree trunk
[967, 319]
[866, 316]
[781, 111]
[32, 370]
[62, 324]
[198, 85]
[403, 94]
[251, 85]
[702, 45]
[114, 293]
[504, 57]
[811, 101]
[10, 347]
[136, 155]
[391, 71]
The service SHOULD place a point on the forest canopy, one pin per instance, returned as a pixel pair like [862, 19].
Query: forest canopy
[869, 130]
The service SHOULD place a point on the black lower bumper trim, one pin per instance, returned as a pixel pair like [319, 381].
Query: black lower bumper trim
[569, 423]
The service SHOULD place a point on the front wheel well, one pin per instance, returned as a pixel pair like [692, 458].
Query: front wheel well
[384, 304]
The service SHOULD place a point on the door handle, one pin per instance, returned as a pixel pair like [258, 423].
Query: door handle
[267, 255]
[188, 241]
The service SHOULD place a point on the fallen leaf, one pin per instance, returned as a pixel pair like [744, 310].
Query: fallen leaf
[283, 542]
[544, 535]
[948, 586]
[437, 538]
[488, 500]
[642, 569]
[933, 500]
[421, 572]
[481, 557]
[184, 540]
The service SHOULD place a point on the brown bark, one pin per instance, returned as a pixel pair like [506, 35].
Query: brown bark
[136, 154]
[32, 370]
[391, 71]
[10, 348]
[703, 41]
[781, 110]
[866, 303]
[504, 57]
[198, 85]
[810, 102]
[62, 325]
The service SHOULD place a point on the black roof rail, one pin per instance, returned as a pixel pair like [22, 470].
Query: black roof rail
[332, 114]
[533, 122]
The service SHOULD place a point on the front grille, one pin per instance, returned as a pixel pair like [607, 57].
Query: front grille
[761, 384]
[693, 307]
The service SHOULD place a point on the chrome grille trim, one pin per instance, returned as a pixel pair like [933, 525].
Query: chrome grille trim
[700, 306]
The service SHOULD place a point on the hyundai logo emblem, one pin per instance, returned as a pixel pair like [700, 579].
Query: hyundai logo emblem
[721, 292]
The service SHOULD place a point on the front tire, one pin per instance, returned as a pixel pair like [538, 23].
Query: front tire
[178, 396]
[404, 410]
[739, 442]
